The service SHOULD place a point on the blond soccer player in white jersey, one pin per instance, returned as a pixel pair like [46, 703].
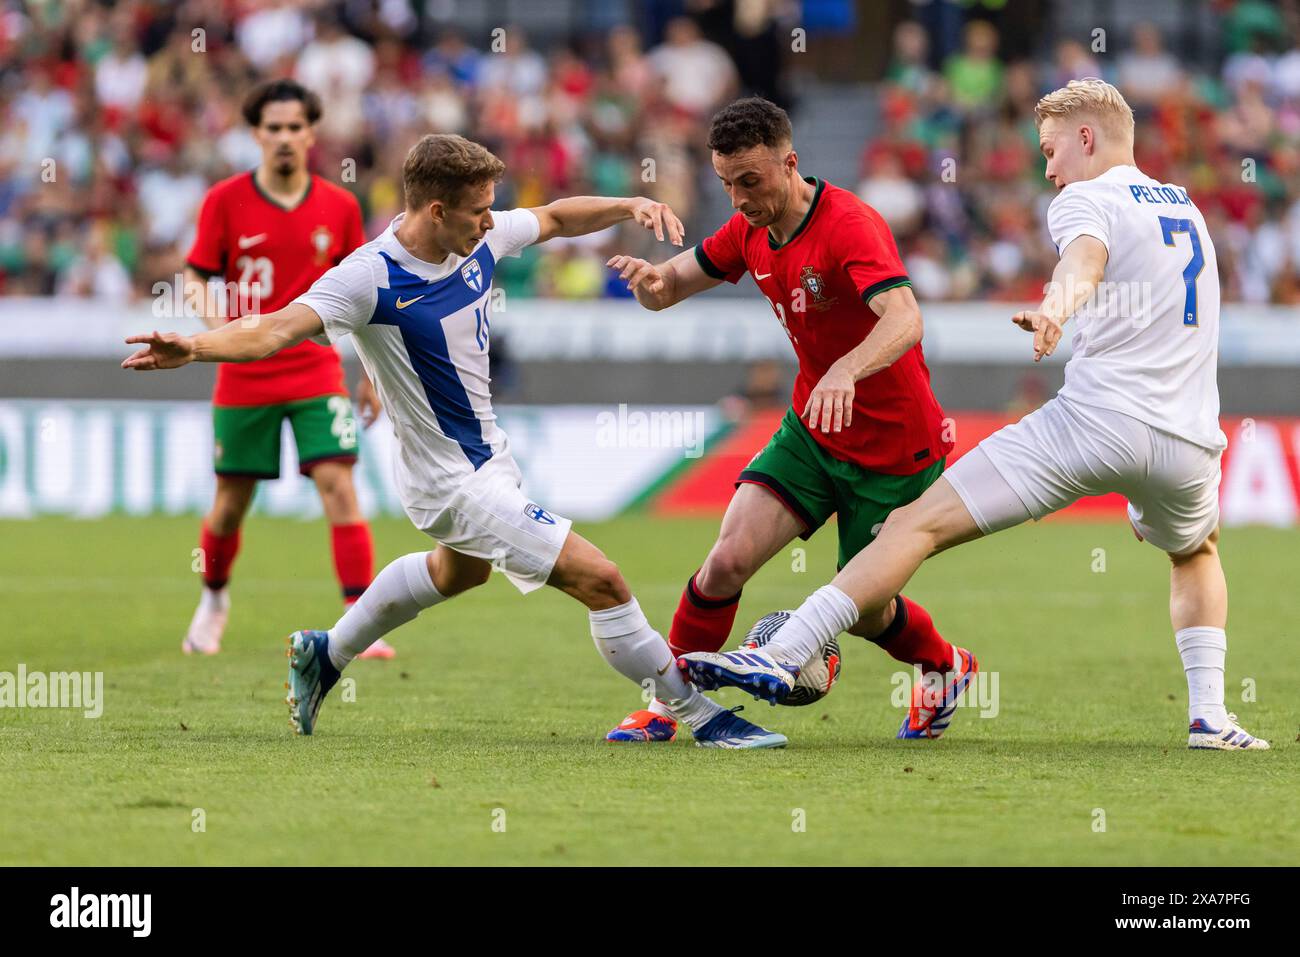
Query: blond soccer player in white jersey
[1138, 415]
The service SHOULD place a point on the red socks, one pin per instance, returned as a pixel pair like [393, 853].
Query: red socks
[911, 637]
[701, 623]
[219, 553]
[354, 558]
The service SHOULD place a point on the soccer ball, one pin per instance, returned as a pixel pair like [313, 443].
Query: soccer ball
[817, 677]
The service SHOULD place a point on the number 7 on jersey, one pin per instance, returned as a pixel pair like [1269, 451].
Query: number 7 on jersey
[1172, 226]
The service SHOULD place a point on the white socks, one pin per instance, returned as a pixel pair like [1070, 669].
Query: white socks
[398, 593]
[822, 616]
[1203, 651]
[215, 600]
[635, 650]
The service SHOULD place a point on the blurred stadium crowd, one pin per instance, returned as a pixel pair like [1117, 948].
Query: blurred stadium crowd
[137, 105]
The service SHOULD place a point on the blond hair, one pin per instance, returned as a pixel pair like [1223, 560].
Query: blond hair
[1093, 98]
[444, 166]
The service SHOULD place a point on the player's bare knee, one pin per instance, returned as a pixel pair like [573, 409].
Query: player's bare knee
[227, 514]
[337, 492]
[603, 585]
[730, 564]
[472, 576]
[914, 521]
[454, 577]
[899, 521]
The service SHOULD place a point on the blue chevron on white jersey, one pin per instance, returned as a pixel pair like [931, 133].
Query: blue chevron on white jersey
[422, 331]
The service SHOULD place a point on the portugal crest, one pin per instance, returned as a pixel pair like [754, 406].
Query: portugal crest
[815, 286]
[812, 281]
[472, 273]
[321, 241]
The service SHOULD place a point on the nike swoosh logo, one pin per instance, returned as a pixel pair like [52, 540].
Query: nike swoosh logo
[664, 668]
[247, 241]
[762, 275]
[403, 305]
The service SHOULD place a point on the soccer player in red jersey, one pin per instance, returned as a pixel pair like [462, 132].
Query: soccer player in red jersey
[864, 435]
[268, 235]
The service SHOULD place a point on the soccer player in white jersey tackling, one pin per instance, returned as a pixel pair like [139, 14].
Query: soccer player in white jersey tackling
[417, 302]
[1138, 415]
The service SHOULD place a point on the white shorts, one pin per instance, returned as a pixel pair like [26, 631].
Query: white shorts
[489, 517]
[1066, 451]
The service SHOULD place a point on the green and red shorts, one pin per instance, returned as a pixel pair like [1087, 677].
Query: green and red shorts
[247, 437]
[814, 485]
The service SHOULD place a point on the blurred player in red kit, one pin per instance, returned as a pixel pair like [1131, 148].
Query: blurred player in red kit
[267, 235]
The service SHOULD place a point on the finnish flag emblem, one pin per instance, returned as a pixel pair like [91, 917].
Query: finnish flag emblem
[538, 514]
[473, 275]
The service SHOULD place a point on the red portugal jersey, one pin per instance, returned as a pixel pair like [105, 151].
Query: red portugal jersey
[258, 246]
[819, 283]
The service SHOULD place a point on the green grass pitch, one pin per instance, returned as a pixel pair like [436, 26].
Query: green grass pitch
[482, 743]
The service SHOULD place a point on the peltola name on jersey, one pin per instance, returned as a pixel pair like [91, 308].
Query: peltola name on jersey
[134, 911]
[1160, 194]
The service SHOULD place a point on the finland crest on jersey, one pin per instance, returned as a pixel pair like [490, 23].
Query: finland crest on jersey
[422, 331]
[473, 275]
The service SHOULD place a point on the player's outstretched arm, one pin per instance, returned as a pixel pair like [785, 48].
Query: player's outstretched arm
[196, 287]
[830, 405]
[1074, 281]
[580, 215]
[664, 285]
[244, 340]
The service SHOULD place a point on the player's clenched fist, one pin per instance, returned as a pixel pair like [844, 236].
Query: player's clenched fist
[830, 407]
[637, 273]
[162, 350]
[1046, 330]
[658, 217]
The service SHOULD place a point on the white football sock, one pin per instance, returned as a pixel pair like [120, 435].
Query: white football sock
[398, 593]
[215, 599]
[635, 650]
[1203, 651]
[822, 616]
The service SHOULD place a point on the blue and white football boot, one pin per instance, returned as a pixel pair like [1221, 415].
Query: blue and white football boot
[1231, 737]
[729, 730]
[311, 675]
[749, 670]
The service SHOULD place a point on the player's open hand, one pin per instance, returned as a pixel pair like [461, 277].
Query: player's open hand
[1046, 330]
[830, 407]
[661, 219]
[162, 350]
[638, 274]
[367, 401]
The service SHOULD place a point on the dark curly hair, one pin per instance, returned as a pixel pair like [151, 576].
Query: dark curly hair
[275, 91]
[750, 122]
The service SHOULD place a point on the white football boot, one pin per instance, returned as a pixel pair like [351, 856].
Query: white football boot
[208, 624]
[1231, 737]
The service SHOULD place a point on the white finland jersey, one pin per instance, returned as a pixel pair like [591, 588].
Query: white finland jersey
[1150, 347]
[422, 332]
